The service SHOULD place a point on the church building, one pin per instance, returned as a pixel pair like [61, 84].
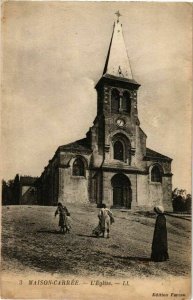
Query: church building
[112, 163]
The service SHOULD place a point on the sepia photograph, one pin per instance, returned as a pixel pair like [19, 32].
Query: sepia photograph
[96, 150]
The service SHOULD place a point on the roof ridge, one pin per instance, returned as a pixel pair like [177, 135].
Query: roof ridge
[81, 144]
[73, 142]
[155, 152]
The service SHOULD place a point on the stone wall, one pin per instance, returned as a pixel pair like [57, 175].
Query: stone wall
[142, 190]
[161, 193]
[167, 193]
[140, 148]
[72, 189]
[150, 194]
[155, 194]
[108, 190]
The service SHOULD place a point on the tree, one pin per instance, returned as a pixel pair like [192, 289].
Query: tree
[181, 201]
[4, 192]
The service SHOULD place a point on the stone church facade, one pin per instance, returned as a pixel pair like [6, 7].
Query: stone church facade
[112, 163]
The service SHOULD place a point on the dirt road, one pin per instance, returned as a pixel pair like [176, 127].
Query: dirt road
[30, 239]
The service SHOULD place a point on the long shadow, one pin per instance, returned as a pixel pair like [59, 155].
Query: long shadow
[49, 231]
[180, 217]
[135, 258]
[91, 236]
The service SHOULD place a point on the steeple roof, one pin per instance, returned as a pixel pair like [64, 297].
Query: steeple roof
[117, 62]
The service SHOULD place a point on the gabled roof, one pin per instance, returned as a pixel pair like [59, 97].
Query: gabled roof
[151, 154]
[80, 145]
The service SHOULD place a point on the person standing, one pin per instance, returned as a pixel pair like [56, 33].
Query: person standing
[63, 218]
[160, 244]
[105, 220]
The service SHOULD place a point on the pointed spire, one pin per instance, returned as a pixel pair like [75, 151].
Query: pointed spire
[117, 62]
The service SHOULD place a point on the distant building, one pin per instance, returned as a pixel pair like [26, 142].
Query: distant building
[21, 190]
[28, 190]
[112, 163]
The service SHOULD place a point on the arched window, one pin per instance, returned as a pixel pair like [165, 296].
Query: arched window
[118, 151]
[115, 100]
[78, 168]
[156, 175]
[126, 102]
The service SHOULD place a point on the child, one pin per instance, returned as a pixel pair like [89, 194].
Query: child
[63, 218]
[105, 220]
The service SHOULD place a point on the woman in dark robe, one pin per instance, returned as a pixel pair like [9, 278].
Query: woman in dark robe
[160, 244]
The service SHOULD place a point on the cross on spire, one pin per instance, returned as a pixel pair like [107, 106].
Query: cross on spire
[118, 15]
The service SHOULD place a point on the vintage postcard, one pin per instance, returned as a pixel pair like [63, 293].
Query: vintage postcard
[96, 148]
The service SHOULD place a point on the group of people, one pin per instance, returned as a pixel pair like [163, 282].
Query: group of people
[159, 245]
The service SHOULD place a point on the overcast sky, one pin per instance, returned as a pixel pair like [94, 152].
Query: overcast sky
[53, 56]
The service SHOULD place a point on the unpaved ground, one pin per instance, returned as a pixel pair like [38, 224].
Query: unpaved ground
[30, 240]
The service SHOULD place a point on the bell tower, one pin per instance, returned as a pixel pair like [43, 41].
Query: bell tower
[117, 114]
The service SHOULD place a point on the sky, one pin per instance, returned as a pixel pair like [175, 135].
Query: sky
[53, 56]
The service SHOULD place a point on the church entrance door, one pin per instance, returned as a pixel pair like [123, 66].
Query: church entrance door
[122, 193]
